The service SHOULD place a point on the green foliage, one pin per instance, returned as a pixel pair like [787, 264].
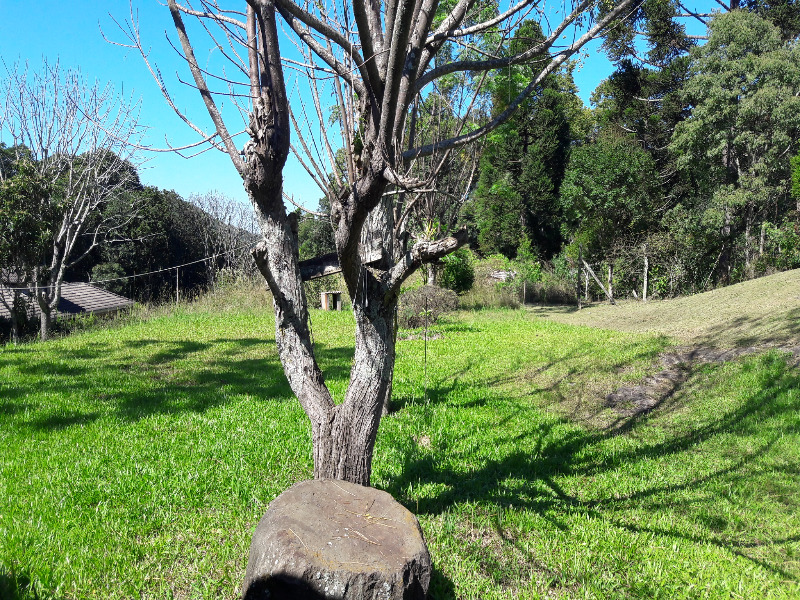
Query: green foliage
[458, 273]
[527, 264]
[744, 128]
[608, 193]
[523, 162]
[795, 167]
[28, 215]
[784, 14]
[316, 237]
[488, 291]
[654, 21]
[167, 231]
[782, 246]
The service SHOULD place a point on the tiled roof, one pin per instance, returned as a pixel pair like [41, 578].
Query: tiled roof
[76, 298]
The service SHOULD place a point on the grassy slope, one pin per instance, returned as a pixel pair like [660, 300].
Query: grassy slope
[135, 462]
[764, 310]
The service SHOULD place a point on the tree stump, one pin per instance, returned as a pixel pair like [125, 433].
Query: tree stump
[327, 539]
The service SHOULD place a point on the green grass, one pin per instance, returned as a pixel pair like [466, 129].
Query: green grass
[763, 311]
[136, 461]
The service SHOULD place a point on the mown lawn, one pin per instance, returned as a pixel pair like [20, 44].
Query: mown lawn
[136, 461]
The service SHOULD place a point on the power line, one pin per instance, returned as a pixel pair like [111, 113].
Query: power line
[125, 277]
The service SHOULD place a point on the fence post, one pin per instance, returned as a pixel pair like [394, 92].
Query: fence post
[644, 284]
[578, 278]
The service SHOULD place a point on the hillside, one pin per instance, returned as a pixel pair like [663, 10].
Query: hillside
[764, 311]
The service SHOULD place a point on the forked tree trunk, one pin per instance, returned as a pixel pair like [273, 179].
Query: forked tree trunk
[345, 444]
[343, 436]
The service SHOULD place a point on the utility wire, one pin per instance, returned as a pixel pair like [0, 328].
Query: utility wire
[124, 277]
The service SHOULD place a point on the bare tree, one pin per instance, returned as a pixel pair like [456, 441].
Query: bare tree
[377, 59]
[229, 231]
[78, 138]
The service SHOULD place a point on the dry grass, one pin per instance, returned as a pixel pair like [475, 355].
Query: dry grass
[763, 311]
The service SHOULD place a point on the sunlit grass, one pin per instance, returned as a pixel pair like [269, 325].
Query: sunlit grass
[136, 461]
[763, 311]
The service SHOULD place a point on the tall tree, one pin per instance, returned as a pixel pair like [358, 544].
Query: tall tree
[745, 123]
[27, 221]
[523, 163]
[378, 60]
[76, 138]
[607, 194]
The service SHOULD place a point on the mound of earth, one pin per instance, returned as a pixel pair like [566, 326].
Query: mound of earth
[632, 401]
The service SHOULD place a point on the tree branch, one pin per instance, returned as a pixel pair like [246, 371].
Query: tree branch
[421, 253]
[211, 106]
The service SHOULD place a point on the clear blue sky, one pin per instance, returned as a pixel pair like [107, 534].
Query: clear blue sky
[70, 32]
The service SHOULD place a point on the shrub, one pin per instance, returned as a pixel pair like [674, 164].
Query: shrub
[424, 302]
[458, 274]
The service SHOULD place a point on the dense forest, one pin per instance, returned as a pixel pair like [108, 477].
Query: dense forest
[687, 158]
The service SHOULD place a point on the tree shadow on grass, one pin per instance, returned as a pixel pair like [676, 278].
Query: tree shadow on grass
[529, 478]
[441, 587]
[780, 329]
[17, 586]
[148, 377]
[174, 377]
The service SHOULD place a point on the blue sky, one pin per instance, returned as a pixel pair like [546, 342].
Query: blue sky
[70, 32]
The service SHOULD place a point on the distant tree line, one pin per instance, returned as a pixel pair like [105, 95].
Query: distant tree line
[156, 230]
[685, 164]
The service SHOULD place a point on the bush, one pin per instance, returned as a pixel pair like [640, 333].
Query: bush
[424, 302]
[458, 274]
[488, 291]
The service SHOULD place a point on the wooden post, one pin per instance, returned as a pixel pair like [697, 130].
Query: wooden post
[610, 292]
[177, 286]
[597, 280]
[585, 286]
[578, 278]
[644, 284]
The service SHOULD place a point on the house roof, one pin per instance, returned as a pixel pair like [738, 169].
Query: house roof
[76, 298]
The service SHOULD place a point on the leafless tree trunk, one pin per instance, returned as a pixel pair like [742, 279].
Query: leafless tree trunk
[378, 60]
[81, 139]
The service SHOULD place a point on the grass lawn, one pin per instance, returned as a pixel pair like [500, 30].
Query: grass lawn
[763, 311]
[136, 461]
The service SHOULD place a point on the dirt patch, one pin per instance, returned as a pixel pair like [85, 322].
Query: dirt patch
[635, 400]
